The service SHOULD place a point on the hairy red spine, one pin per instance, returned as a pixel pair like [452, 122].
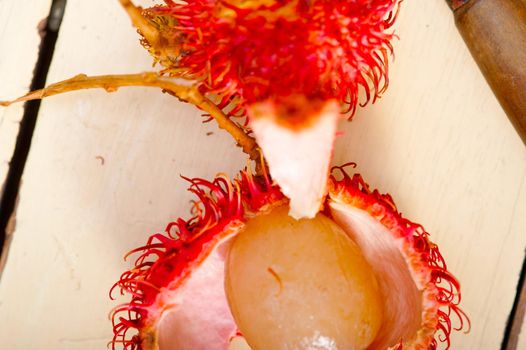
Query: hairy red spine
[165, 257]
[382, 208]
[324, 49]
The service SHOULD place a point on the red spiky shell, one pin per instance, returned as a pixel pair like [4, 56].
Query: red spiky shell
[256, 50]
[168, 260]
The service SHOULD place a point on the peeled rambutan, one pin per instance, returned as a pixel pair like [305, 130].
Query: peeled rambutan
[242, 274]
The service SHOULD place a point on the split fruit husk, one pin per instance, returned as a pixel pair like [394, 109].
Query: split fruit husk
[242, 274]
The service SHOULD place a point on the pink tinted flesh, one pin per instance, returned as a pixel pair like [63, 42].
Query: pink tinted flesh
[403, 300]
[200, 318]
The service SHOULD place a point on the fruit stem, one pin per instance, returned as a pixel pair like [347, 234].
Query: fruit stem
[148, 30]
[187, 93]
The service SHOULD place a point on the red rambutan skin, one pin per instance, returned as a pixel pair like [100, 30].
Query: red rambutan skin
[220, 203]
[223, 204]
[423, 253]
[259, 50]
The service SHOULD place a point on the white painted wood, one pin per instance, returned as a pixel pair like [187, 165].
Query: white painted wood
[438, 141]
[19, 41]
[78, 214]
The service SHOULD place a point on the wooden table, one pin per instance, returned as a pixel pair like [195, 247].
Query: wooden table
[103, 170]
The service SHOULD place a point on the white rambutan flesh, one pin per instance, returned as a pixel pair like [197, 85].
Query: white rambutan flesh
[297, 140]
[243, 275]
[292, 284]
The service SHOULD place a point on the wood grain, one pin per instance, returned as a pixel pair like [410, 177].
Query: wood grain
[104, 170]
[103, 173]
[439, 142]
[19, 42]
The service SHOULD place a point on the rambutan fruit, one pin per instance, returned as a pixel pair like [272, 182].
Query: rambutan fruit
[290, 66]
[258, 50]
[242, 274]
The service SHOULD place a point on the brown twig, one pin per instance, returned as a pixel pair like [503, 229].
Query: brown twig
[164, 51]
[186, 93]
[160, 42]
[157, 37]
[147, 30]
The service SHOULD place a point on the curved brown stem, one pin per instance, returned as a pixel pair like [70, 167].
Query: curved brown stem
[159, 40]
[148, 30]
[157, 36]
[187, 93]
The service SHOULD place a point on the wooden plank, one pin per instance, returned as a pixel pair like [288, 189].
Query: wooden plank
[103, 174]
[439, 142]
[19, 43]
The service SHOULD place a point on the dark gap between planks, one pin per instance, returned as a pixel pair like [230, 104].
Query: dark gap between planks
[516, 318]
[9, 195]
